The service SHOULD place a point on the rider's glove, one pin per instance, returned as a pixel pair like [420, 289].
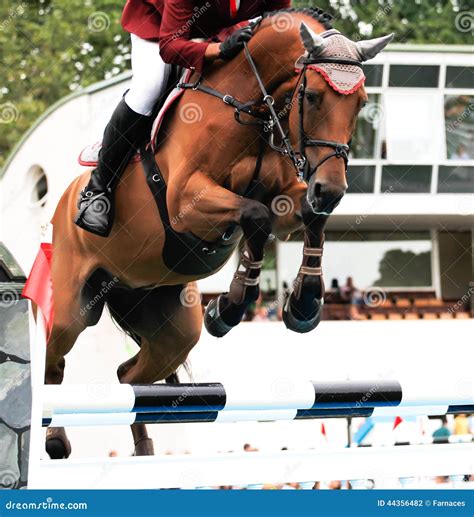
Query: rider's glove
[235, 43]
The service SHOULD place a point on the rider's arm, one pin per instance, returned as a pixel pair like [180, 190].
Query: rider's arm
[175, 43]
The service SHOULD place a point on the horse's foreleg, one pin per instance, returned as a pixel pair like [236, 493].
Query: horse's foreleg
[302, 309]
[66, 329]
[208, 210]
[168, 329]
[227, 311]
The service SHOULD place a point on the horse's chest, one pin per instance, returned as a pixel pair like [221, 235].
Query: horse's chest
[184, 253]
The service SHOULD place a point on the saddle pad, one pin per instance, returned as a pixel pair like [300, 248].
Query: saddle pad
[170, 100]
[89, 156]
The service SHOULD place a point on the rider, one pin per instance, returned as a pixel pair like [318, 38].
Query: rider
[162, 33]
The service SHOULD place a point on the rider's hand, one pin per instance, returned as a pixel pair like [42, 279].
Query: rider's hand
[235, 43]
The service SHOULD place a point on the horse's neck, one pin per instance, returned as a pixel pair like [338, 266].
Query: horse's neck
[237, 78]
[275, 54]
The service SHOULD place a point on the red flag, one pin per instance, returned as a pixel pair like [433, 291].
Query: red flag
[39, 286]
[398, 420]
[323, 430]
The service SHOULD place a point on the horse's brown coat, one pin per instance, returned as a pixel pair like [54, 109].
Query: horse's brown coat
[207, 165]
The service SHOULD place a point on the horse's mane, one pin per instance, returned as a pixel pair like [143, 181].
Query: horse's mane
[313, 12]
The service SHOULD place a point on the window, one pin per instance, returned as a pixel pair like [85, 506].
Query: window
[391, 259]
[456, 180]
[364, 140]
[373, 75]
[414, 76]
[459, 124]
[459, 77]
[413, 122]
[36, 177]
[406, 179]
[361, 179]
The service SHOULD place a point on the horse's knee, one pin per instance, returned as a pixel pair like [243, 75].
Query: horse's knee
[54, 369]
[255, 217]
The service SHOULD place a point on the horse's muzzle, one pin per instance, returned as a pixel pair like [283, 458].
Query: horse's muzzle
[324, 197]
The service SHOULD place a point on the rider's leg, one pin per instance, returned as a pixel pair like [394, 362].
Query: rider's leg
[123, 135]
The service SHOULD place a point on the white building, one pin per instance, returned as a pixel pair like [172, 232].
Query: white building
[411, 176]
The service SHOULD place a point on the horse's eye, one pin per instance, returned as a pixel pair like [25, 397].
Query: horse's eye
[312, 97]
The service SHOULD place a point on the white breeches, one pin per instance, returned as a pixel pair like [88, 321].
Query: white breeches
[150, 75]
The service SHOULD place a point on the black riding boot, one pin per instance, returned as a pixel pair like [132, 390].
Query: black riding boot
[122, 136]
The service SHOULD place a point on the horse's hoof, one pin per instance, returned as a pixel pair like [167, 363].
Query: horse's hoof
[301, 326]
[58, 446]
[144, 448]
[213, 321]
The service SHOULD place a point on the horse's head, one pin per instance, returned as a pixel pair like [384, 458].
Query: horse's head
[329, 95]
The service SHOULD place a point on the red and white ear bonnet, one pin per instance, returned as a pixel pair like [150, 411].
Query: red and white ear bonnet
[345, 79]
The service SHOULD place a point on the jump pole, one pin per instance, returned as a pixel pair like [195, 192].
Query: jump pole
[219, 417]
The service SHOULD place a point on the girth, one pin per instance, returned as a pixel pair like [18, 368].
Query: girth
[184, 253]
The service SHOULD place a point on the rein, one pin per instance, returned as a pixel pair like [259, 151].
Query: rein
[271, 120]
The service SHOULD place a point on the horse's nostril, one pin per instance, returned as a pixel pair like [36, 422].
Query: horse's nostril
[317, 189]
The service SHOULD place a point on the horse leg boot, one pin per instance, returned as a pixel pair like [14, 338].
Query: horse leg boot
[122, 136]
[227, 311]
[302, 309]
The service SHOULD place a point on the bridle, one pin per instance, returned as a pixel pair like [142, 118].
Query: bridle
[271, 121]
[340, 150]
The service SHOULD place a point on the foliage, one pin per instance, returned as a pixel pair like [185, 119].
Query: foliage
[49, 48]
[400, 268]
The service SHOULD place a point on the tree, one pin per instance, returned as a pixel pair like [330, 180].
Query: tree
[440, 22]
[49, 48]
[404, 269]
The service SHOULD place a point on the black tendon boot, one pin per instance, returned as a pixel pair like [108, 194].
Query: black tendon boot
[122, 136]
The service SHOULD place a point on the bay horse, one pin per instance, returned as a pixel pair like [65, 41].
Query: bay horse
[272, 126]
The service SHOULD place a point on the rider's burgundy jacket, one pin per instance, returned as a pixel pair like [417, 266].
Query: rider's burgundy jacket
[174, 23]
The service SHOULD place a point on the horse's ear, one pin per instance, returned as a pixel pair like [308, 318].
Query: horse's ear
[368, 49]
[312, 42]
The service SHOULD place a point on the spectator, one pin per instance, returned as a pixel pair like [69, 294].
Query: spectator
[461, 153]
[351, 294]
[442, 433]
[249, 448]
[335, 295]
[461, 425]
[261, 314]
